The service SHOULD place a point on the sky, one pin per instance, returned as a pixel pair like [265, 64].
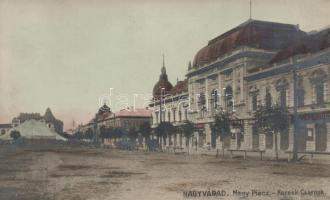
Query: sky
[68, 54]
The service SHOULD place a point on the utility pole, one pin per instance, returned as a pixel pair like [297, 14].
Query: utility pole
[250, 9]
[95, 130]
[295, 114]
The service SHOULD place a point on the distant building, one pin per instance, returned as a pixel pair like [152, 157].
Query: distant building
[4, 128]
[34, 129]
[126, 119]
[34, 126]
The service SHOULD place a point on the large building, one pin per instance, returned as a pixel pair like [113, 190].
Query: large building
[251, 65]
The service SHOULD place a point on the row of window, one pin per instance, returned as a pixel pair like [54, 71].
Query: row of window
[318, 92]
[170, 114]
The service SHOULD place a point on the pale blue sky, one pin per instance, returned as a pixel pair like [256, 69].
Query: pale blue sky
[65, 54]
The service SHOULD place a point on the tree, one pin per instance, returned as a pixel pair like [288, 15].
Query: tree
[15, 134]
[145, 130]
[163, 130]
[132, 133]
[188, 130]
[272, 120]
[118, 133]
[221, 126]
[103, 133]
[89, 135]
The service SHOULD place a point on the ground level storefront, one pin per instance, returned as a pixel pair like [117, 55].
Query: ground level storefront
[313, 134]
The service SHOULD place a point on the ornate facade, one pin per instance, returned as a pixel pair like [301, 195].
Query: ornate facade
[252, 65]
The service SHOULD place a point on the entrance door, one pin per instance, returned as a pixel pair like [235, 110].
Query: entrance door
[320, 137]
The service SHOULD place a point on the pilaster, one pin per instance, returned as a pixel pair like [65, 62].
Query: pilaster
[248, 137]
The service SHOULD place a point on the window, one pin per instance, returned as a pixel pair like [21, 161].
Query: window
[186, 114]
[180, 116]
[214, 99]
[229, 98]
[169, 116]
[157, 113]
[174, 113]
[300, 92]
[319, 92]
[268, 99]
[283, 98]
[201, 101]
[300, 97]
[254, 102]
[310, 134]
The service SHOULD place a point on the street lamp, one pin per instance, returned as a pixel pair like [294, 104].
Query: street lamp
[160, 104]
[295, 113]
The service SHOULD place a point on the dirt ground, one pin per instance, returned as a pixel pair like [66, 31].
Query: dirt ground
[100, 174]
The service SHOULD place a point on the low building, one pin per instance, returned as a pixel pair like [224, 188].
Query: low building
[34, 126]
[4, 128]
[126, 119]
[34, 129]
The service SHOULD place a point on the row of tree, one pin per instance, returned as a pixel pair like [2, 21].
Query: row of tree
[271, 120]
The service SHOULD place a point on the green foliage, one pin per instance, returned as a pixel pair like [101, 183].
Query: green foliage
[273, 119]
[145, 129]
[118, 133]
[221, 125]
[15, 134]
[132, 133]
[89, 134]
[187, 129]
[164, 129]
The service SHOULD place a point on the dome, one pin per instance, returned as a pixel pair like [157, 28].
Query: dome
[253, 33]
[104, 109]
[162, 83]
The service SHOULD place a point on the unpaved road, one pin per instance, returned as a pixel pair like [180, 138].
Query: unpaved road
[100, 174]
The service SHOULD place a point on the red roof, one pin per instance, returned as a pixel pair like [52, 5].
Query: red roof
[180, 87]
[308, 44]
[253, 33]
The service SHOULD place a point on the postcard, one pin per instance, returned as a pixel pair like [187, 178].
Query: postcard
[164, 100]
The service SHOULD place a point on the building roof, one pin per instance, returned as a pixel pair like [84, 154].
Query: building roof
[309, 44]
[253, 33]
[180, 87]
[162, 83]
[5, 125]
[137, 112]
[104, 109]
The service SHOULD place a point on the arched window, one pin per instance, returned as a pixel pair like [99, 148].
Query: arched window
[268, 98]
[254, 102]
[282, 87]
[214, 99]
[201, 101]
[300, 93]
[228, 98]
[319, 92]
[283, 98]
[169, 116]
[318, 80]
